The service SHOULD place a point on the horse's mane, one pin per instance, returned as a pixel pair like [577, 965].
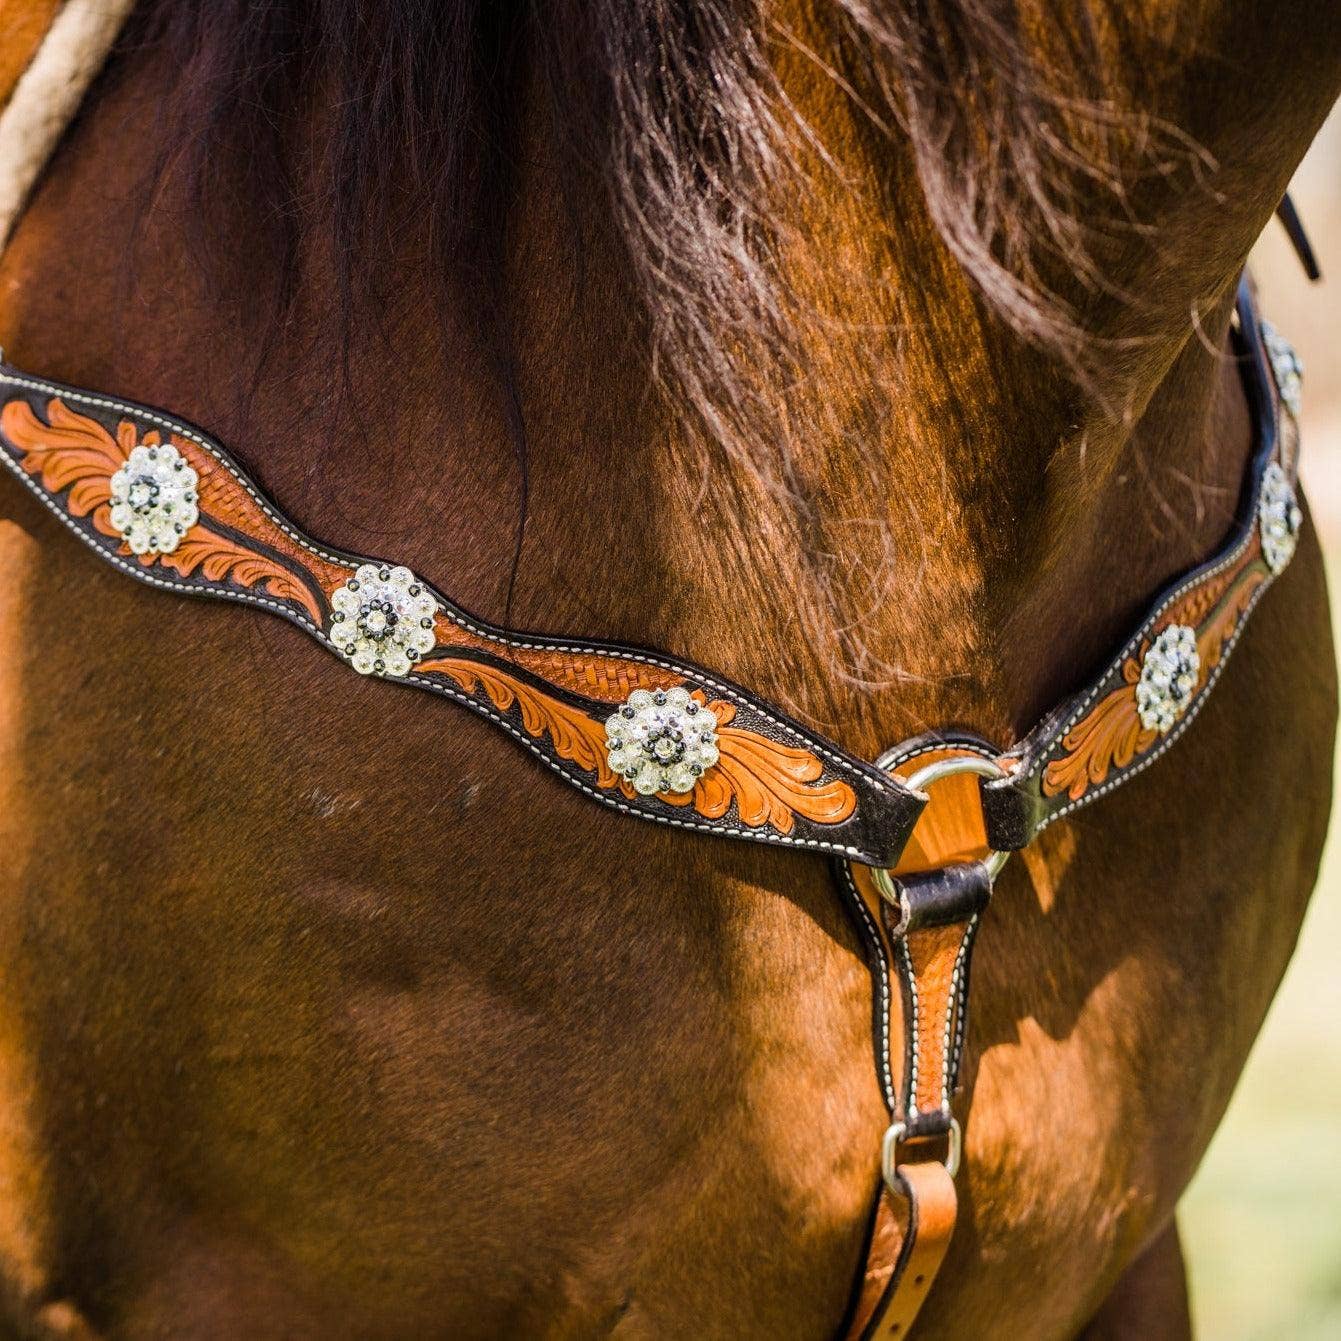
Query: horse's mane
[673, 107]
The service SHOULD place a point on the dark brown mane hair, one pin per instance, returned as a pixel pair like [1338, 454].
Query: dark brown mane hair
[1024, 146]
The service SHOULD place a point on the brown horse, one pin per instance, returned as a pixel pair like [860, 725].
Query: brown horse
[871, 352]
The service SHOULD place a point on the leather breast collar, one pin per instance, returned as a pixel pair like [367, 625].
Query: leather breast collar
[918, 835]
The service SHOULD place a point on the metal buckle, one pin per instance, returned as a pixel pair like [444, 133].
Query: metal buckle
[919, 782]
[889, 1151]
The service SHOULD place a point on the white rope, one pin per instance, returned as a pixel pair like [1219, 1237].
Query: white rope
[48, 94]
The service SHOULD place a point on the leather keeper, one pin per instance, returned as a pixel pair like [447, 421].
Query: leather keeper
[927, 1127]
[949, 896]
[1011, 813]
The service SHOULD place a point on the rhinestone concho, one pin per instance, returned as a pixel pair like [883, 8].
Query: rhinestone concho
[661, 741]
[1278, 518]
[382, 620]
[153, 501]
[1287, 367]
[1168, 680]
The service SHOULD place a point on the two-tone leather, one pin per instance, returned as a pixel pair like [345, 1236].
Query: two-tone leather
[919, 931]
[776, 781]
[1096, 740]
[770, 779]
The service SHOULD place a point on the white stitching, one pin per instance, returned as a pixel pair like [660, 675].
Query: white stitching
[121, 407]
[948, 743]
[913, 1026]
[143, 575]
[1196, 578]
[955, 1009]
[1265, 375]
[881, 976]
[1178, 730]
[891, 1098]
[1114, 666]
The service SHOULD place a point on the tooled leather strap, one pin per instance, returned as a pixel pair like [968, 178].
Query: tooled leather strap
[638, 731]
[643, 733]
[1140, 704]
[921, 931]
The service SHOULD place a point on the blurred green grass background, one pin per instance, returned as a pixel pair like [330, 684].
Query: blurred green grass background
[1261, 1223]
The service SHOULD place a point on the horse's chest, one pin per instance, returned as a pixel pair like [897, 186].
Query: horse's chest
[319, 995]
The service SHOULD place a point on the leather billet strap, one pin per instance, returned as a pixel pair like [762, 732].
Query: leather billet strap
[914, 1222]
[1098, 738]
[772, 781]
[919, 931]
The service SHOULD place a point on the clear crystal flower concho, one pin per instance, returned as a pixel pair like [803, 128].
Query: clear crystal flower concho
[1287, 367]
[1169, 672]
[1172, 665]
[154, 500]
[382, 620]
[661, 741]
[1279, 518]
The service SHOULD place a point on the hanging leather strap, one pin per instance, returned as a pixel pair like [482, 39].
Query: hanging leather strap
[924, 922]
[912, 1231]
[930, 933]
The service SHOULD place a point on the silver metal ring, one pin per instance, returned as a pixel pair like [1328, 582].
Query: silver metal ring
[889, 1151]
[927, 776]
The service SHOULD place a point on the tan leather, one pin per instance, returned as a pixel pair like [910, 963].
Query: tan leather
[951, 827]
[913, 1226]
[912, 1233]
[935, 956]
[909, 1241]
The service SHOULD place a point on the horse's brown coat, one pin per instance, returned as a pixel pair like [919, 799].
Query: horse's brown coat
[324, 1012]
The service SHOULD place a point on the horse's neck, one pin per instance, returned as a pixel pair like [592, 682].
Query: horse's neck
[946, 493]
[941, 546]
[922, 517]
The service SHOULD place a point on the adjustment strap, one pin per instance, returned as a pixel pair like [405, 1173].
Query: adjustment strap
[925, 924]
[905, 1255]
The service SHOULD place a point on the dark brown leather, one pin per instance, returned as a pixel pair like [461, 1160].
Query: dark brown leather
[932, 934]
[946, 896]
[1294, 229]
[916, 1209]
[1012, 813]
[778, 781]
